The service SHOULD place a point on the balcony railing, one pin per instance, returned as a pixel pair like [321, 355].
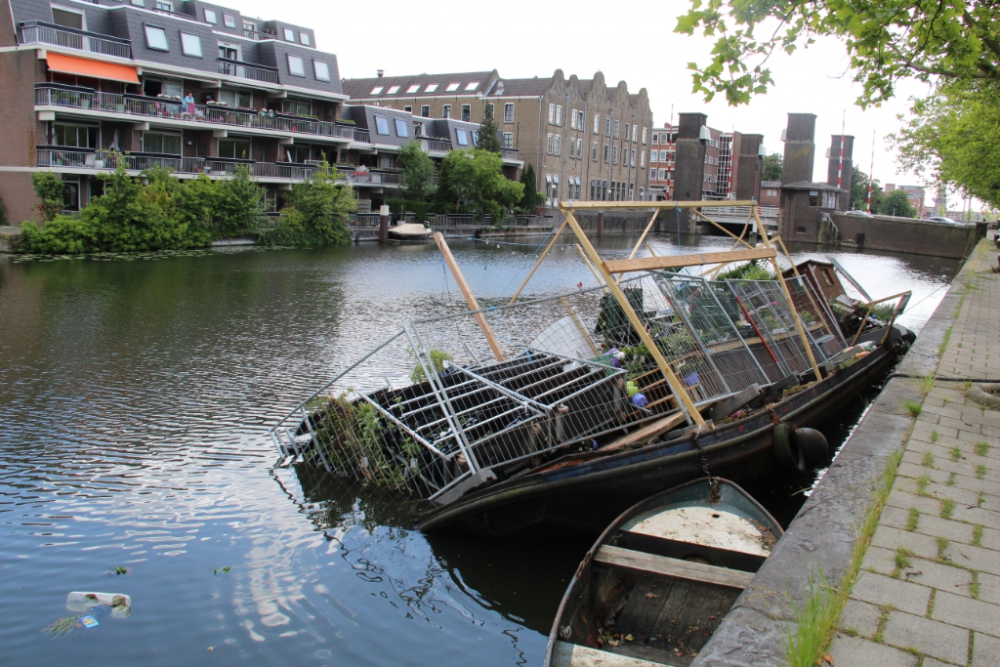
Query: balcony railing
[370, 177]
[508, 153]
[436, 145]
[106, 160]
[46, 33]
[246, 71]
[167, 108]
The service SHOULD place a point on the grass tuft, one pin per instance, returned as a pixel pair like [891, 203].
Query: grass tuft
[922, 483]
[951, 479]
[942, 544]
[982, 448]
[934, 436]
[977, 535]
[947, 337]
[913, 408]
[902, 559]
[956, 454]
[926, 383]
[913, 519]
[980, 471]
[947, 507]
[928, 460]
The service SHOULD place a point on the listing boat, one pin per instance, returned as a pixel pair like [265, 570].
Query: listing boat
[409, 231]
[556, 414]
[654, 587]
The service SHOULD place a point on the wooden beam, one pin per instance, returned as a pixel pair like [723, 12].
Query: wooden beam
[673, 567]
[678, 389]
[470, 298]
[642, 238]
[582, 329]
[590, 266]
[646, 433]
[739, 239]
[609, 205]
[696, 259]
[545, 252]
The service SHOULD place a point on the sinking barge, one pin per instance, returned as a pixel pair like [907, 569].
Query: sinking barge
[558, 413]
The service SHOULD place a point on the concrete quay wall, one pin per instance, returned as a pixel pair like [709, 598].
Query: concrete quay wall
[822, 537]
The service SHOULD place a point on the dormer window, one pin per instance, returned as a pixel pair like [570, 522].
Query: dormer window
[392, 90]
[412, 89]
[304, 38]
[211, 17]
[431, 87]
[322, 70]
[229, 21]
[452, 87]
[156, 38]
[472, 86]
[377, 90]
[289, 35]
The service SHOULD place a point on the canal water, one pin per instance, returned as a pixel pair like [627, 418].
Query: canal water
[135, 395]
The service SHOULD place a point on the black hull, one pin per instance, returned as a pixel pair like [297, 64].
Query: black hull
[584, 498]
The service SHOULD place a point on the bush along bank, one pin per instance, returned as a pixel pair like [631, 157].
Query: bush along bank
[166, 213]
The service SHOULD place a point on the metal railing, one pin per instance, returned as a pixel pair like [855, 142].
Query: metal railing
[369, 178]
[175, 109]
[508, 153]
[44, 33]
[107, 160]
[243, 70]
[436, 144]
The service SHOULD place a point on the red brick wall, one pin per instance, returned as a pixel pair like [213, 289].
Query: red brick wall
[20, 132]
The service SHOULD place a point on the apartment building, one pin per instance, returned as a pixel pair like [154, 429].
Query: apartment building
[916, 194]
[586, 140]
[188, 85]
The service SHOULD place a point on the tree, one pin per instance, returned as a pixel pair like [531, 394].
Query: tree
[773, 164]
[316, 211]
[488, 139]
[529, 200]
[887, 40]
[859, 192]
[472, 181]
[897, 203]
[418, 172]
[953, 137]
[239, 204]
[49, 189]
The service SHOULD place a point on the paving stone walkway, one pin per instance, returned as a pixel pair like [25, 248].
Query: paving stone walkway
[929, 593]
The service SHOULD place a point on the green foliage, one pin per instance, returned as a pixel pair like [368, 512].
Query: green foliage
[530, 198]
[436, 358]
[953, 137]
[238, 205]
[49, 189]
[814, 622]
[859, 192]
[488, 138]
[773, 166]
[751, 270]
[925, 39]
[472, 181]
[417, 172]
[897, 203]
[419, 209]
[316, 212]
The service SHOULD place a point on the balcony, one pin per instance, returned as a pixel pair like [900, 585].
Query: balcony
[154, 107]
[369, 177]
[35, 32]
[508, 153]
[243, 70]
[106, 161]
[436, 145]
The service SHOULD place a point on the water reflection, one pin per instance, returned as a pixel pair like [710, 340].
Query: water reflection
[134, 396]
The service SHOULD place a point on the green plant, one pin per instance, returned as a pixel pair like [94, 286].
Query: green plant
[913, 519]
[926, 381]
[982, 448]
[977, 535]
[913, 408]
[947, 507]
[316, 212]
[956, 454]
[752, 270]
[488, 132]
[902, 559]
[928, 460]
[934, 436]
[49, 189]
[944, 342]
[529, 196]
[417, 172]
[922, 483]
[436, 359]
[472, 181]
[238, 205]
[815, 621]
[980, 471]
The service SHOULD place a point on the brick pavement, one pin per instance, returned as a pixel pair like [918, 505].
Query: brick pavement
[929, 592]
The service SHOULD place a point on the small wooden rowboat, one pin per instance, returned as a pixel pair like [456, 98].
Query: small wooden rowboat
[655, 586]
[409, 231]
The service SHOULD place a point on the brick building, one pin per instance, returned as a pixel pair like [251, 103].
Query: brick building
[916, 195]
[191, 86]
[587, 141]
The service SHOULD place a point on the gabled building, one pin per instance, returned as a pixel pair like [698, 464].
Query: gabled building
[587, 141]
[194, 87]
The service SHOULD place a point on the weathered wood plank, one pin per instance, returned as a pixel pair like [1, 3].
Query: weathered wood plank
[673, 567]
[678, 261]
[574, 655]
[647, 432]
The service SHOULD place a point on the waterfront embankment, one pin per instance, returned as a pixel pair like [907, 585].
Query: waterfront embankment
[924, 585]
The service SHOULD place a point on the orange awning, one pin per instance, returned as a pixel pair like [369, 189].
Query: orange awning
[81, 66]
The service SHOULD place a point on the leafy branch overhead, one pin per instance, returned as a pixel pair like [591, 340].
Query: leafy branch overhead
[886, 41]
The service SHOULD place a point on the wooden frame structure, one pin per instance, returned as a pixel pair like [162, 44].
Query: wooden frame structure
[605, 270]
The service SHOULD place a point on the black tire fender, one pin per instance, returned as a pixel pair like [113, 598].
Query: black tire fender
[789, 455]
[812, 444]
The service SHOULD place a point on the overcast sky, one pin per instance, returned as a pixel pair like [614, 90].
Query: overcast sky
[633, 42]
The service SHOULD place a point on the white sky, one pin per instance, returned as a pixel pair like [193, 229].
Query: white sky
[521, 38]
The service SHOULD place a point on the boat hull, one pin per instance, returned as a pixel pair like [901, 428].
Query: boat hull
[584, 497]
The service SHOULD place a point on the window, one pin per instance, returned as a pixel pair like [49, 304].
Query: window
[635, 133]
[614, 155]
[552, 114]
[229, 52]
[471, 86]
[663, 156]
[418, 129]
[249, 27]
[642, 160]
[304, 38]
[656, 137]
[139, 3]
[607, 127]
[431, 87]
[446, 111]
[191, 45]
[237, 98]
[642, 194]
[408, 109]
[652, 156]
[475, 137]
[425, 111]
[296, 107]
[382, 125]
[663, 174]
[607, 152]
[559, 114]
[68, 18]
[295, 66]
[616, 129]
[644, 136]
[452, 87]
[412, 89]
[158, 142]
[466, 112]
[80, 136]
[289, 35]
[321, 70]
[164, 5]
[211, 17]
[593, 153]
[392, 90]
[377, 90]
[508, 113]
[572, 119]
[229, 21]
[156, 38]
[462, 136]
[401, 129]
[558, 150]
[597, 123]
[235, 147]
[508, 140]
[572, 147]
[632, 161]
[627, 129]
[550, 144]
